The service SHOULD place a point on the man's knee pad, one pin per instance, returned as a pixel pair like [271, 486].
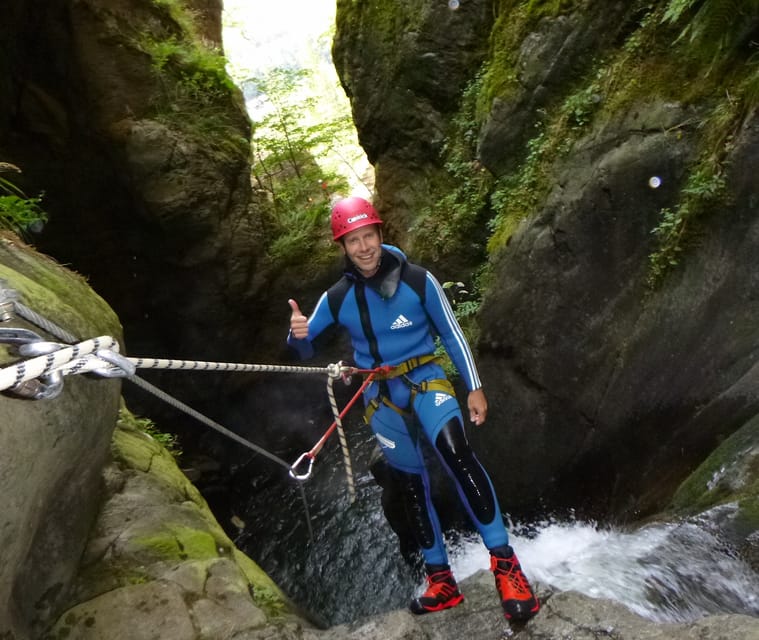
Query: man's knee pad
[452, 444]
[415, 503]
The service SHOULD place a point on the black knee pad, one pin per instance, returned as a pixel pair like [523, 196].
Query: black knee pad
[458, 455]
[415, 504]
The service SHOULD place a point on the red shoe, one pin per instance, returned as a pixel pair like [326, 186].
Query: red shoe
[517, 599]
[442, 592]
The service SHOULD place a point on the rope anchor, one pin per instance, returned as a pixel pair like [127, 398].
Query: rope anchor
[28, 344]
[40, 376]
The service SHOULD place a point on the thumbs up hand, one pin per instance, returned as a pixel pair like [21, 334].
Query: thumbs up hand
[298, 322]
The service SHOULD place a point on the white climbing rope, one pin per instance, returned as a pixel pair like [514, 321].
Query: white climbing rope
[67, 360]
[47, 362]
[101, 355]
[343, 440]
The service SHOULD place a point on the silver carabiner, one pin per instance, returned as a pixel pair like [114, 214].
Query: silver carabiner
[18, 336]
[294, 466]
[30, 345]
[45, 387]
[39, 348]
[121, 367]
[8, 299]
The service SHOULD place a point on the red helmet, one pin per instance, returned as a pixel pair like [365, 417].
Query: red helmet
[352, 213]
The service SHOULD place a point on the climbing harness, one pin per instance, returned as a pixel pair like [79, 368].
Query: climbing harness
[399, 371]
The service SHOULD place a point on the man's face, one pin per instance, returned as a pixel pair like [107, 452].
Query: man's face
[363, 248]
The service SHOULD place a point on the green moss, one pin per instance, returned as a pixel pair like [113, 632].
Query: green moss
[134, 448]
[500, 75]
[387, 19]
[747, 520]
[651, 66]
[537, 9]
[730, 473]
[54, 292]
[266, 594]
[178, 543]
[515, 20]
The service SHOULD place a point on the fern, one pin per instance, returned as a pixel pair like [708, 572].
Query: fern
[717, 27]
[18, 213]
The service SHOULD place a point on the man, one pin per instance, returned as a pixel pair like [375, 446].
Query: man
[392, 310]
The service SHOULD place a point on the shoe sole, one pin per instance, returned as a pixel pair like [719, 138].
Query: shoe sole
[523, 617]
[445, 605]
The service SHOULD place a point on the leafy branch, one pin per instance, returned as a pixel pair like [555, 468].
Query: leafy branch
[18, 213]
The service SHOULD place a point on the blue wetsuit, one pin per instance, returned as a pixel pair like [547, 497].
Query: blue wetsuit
[392, 317]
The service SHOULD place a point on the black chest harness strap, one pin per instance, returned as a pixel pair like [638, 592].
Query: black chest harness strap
[415, 277]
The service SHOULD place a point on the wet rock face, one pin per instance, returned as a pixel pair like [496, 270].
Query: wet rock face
[404, 66]
[557, 52]
[135, 182]
[51, 451]
[615, 391]
[604, 393]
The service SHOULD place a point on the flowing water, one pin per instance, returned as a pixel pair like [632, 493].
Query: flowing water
[352, 567]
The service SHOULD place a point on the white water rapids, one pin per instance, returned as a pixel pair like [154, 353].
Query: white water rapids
[352, 568]
[663, 572]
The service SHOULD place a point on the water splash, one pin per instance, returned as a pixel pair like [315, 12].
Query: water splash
[663, 572]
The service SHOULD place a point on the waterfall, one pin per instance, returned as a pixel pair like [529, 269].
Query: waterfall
[666, 572]
[352, 568]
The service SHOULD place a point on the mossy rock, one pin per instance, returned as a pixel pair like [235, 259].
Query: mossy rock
[729, 474]
[188, 532]
[57, 294]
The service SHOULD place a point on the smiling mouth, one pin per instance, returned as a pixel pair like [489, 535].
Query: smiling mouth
[367, 258]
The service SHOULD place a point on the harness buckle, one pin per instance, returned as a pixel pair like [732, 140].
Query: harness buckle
[414, 386]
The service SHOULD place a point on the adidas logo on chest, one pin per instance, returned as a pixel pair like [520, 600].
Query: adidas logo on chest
[401, 322]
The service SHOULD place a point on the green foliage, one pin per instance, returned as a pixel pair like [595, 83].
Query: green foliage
[202, 72]
[465, 305]
[714, 28]
[287, 141]
[168, 441]
[580, 107]
[517, 195]
[452, 221]
[702, 192]
[19, 213]
[196, 87]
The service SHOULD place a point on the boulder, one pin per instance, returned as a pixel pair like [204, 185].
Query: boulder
[51, 451]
